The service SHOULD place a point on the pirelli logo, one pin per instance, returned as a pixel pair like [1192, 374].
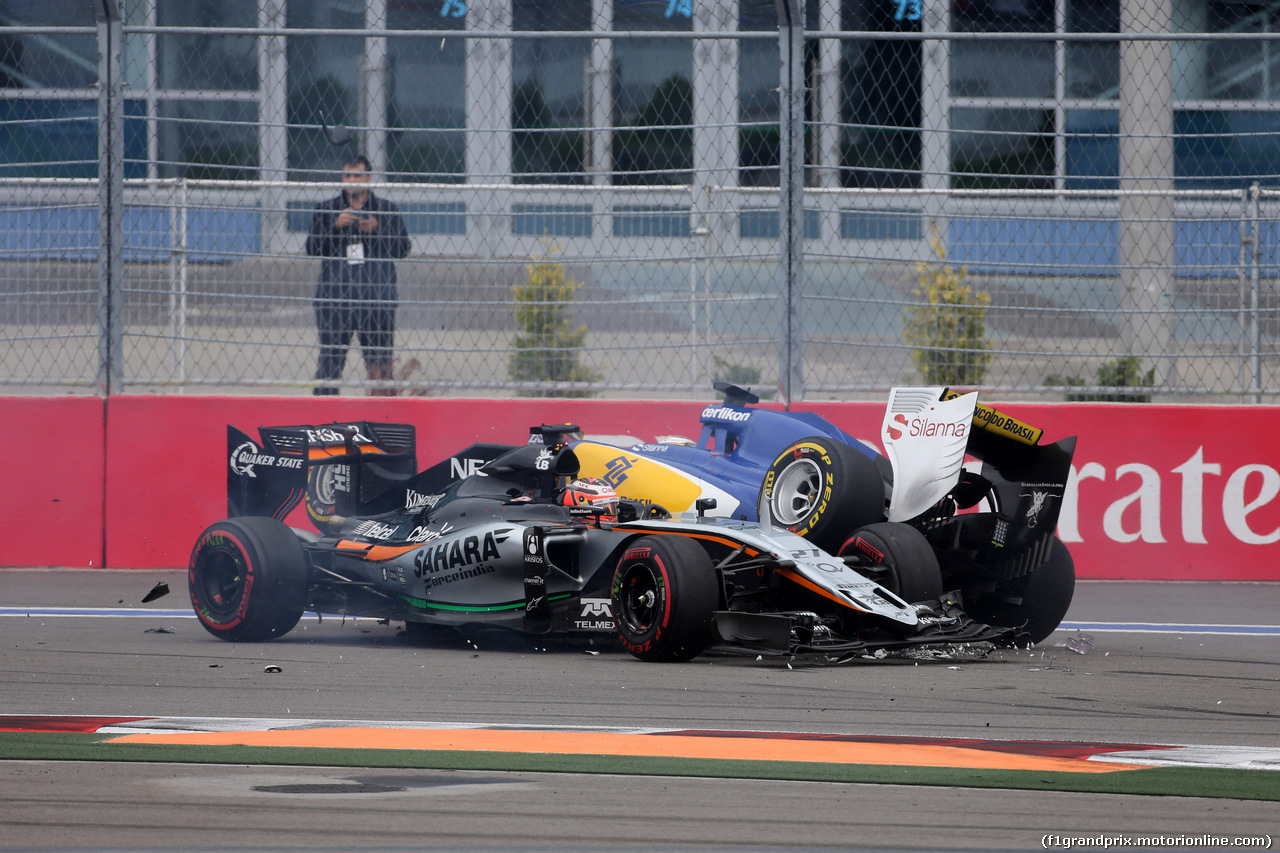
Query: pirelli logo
[987, 418]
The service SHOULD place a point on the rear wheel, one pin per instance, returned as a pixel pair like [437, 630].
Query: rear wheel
[1039, 607]
[663, 594]
[248, 579]
[914, 574]
[323, 484]
[821, 489]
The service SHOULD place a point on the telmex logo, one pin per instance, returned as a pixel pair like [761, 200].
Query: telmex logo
[722, 413]
[596, 607]
[917, 427]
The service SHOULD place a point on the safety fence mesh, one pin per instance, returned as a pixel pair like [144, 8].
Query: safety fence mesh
[1041, 199]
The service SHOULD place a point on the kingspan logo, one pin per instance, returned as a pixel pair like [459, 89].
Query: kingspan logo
[417, 500]
[248, 454]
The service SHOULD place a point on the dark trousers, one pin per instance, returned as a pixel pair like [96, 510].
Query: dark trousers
[372, 323]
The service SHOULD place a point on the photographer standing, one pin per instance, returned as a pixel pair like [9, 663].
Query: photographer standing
[358, 237]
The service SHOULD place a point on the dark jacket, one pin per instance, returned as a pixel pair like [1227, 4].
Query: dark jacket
[376, 277]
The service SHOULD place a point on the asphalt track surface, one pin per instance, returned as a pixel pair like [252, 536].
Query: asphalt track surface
[1151, 673]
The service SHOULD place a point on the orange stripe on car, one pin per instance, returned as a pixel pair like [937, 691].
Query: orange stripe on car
[376, 553]
[796, 577]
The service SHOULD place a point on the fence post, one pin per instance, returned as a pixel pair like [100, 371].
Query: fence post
[1255, 272]
[110, 197]
[178, 287]
[791, 195]
[1146, 188]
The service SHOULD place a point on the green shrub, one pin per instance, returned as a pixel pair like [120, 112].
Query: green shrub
[742, 375]
[549, 346]
[1122, 372]
[947, 326]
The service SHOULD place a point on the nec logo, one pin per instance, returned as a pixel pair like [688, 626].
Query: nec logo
[459, 468]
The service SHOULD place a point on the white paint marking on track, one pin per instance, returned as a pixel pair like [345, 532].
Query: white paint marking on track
[1234, 757]
[1101, 627]
[1172, 628]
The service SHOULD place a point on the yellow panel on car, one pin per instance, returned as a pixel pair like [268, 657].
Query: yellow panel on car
[639, 477]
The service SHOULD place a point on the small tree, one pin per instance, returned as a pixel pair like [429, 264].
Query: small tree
[1122, 372]
[549, 345]
[947, 327]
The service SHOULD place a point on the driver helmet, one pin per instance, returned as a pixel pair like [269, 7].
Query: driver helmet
[592, 491]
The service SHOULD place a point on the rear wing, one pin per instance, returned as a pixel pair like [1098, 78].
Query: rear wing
[927, 433]
[344, 469]
[1027, 477]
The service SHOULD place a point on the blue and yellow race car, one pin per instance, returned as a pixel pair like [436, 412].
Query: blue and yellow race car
[967, 494]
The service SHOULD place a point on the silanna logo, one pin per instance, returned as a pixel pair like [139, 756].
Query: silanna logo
[926, 427]
[248, 454]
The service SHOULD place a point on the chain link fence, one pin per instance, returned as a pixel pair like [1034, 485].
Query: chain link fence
[633, 198]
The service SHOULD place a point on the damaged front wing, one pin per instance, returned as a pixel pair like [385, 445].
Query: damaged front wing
[941, 623]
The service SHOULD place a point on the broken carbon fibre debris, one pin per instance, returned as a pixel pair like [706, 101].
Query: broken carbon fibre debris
[1081, 644]
[160, 590]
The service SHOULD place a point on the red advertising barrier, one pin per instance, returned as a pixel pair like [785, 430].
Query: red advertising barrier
[1159, 492]
[167, 456]
[51, 501]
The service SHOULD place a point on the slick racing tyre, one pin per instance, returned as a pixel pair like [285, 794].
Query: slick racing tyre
[1039, 607]
[913, 571]
[663, 594]
[248, 579]
[323, 484]
[822, 489]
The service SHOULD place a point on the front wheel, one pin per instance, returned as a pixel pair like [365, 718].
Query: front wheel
[663, 594]
[1039, 607]
[821, 489]
[248, 579]
[913, 572]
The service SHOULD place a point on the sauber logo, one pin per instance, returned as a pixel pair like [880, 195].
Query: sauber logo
[924, 426]
[248, 454]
